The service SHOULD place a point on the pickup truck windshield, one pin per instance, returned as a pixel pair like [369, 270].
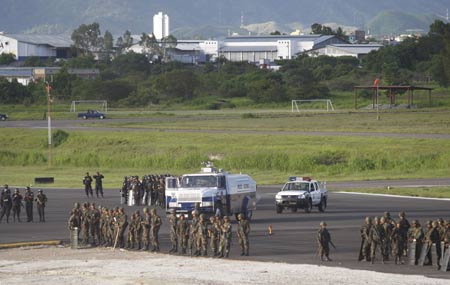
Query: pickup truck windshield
[199, 181]
[302, 186]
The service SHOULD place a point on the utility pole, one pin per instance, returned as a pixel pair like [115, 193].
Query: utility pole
[49, 123]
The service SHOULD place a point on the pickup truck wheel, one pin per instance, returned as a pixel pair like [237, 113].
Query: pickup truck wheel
[101, 117]
[279, 210]
[294, 210]
[323, 204]
[84, 117]
[308, 206]
[3, 118]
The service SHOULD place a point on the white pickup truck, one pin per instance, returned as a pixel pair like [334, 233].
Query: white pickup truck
[302, 193]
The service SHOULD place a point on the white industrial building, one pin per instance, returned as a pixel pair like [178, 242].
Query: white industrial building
[42, 46]
[354, 50]
[271, 48]
[161, 25]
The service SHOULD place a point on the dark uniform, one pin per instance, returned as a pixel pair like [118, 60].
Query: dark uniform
[365, 240]
[323, 241]
[154, 230]
[404, 228]
[398, 240]
[98, 184]
[173, 231]
[41, 200]
[29, 198]
[432, 236]
[386, 243]
[87, 181]
[16, 205]
[6, 204]
[243, 232]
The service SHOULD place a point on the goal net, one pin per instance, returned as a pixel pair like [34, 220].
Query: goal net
[84, 105]
[312, 105]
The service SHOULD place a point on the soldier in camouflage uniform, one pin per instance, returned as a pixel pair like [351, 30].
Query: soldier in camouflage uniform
[365, 240]
[131, 231]
[85, 223]
[214, 234]
[121, 224]
[376, 237]
[94, 224]
[138, 229]
[386, 244]
[182, 234]
[201, 233]
[192, 235]
[225, 237]
[432, 236]
[243, 232]
[441, 228]
[398, 243]
[323, 241]
[173, 231]
[415, 233]
[146, 224]
[154, 230]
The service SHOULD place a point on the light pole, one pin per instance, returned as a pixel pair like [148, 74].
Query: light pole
[49, 123]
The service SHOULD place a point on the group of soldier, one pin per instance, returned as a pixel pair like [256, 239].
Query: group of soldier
[87, 182]
[12, 202]
[111, 228]
[148, 191]
[395, 238]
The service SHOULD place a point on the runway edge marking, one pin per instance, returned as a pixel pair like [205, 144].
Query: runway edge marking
[392, 196]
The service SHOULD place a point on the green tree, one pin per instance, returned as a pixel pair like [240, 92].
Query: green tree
[87, 38]
[7, 58]
[150, 47]
[125, 42]
[108, 45]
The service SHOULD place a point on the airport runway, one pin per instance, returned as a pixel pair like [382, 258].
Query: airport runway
[294, 238]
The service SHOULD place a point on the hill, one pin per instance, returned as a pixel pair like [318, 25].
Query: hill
[55, 16]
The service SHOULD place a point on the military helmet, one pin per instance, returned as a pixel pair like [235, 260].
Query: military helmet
[387, 214]
[40, 191]
[429, 223]
[375, 219]
[172, 211]
[435, 224]
[241, 216]
[16, 190]
[402, 214]
[323, 224]
[145, 210]
[153, 211]
[76, 205]
[368, 220]
[226, 218]
[414, 222]
[382, 219]
[194, 213]
[440, 220]
[28, 188]
[136, 212]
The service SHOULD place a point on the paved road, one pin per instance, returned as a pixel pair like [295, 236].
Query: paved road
[294, 233]
[84, 125]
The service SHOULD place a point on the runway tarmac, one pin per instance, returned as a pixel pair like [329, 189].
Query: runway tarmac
[294, 238]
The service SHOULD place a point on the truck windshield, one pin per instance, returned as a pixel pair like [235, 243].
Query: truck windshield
[303, 186]
[199, 181]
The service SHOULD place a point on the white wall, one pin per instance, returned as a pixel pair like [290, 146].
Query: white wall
[8, 45]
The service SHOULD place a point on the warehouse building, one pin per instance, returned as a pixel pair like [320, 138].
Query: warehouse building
[43, 46]
[354, 50]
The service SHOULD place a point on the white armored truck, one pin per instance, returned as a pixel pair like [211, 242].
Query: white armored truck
[302, 193]
[211, 191]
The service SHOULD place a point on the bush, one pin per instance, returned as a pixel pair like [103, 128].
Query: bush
[59, 137]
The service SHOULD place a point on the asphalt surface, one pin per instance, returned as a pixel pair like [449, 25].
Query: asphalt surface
[294, 235]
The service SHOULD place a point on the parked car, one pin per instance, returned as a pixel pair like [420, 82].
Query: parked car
[92, 114]
[3, 117]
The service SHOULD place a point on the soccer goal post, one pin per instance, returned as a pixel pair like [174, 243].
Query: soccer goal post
[100, 105]
[321, 103]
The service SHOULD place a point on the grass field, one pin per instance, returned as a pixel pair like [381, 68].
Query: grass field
[269, 158]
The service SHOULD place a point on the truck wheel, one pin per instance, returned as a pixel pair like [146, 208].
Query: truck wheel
[323, 204]
[279, 210]
[3, 118]
[84, 117]
[308, 206]
[294, 210]
[101, 117]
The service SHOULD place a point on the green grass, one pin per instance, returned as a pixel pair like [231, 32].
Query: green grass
[268, 158]
[432, 192]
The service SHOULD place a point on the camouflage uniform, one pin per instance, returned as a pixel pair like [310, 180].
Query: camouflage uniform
[386, 244]
[192, 235]
[214, 234]
[376, 237]
[182, 234]
[94, 224]
[323, 241]
[243, 231]
[365, 240]
[415, 233]
[404, 228]
[398, 243]
[121, 224]
[131, 232]
[154, 230]
[146, 223]
[225, 237]
[201, 232]
[173, 231]
[432, 236]
[85, 224]
[138, 229]
[41, 200]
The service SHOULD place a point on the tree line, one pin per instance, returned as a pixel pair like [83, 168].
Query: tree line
[151, 78]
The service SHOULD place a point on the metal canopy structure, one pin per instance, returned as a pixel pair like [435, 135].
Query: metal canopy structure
[393, 90]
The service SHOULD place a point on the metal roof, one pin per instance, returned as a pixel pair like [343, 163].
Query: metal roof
[16, 72]
[57, 41]
[273, 38]
[358, 49]
[248, 49]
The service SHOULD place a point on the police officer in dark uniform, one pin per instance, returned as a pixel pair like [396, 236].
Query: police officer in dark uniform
[6, 204]
[87, 181]
[29, 198]
[98, 183]
[16, 204]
